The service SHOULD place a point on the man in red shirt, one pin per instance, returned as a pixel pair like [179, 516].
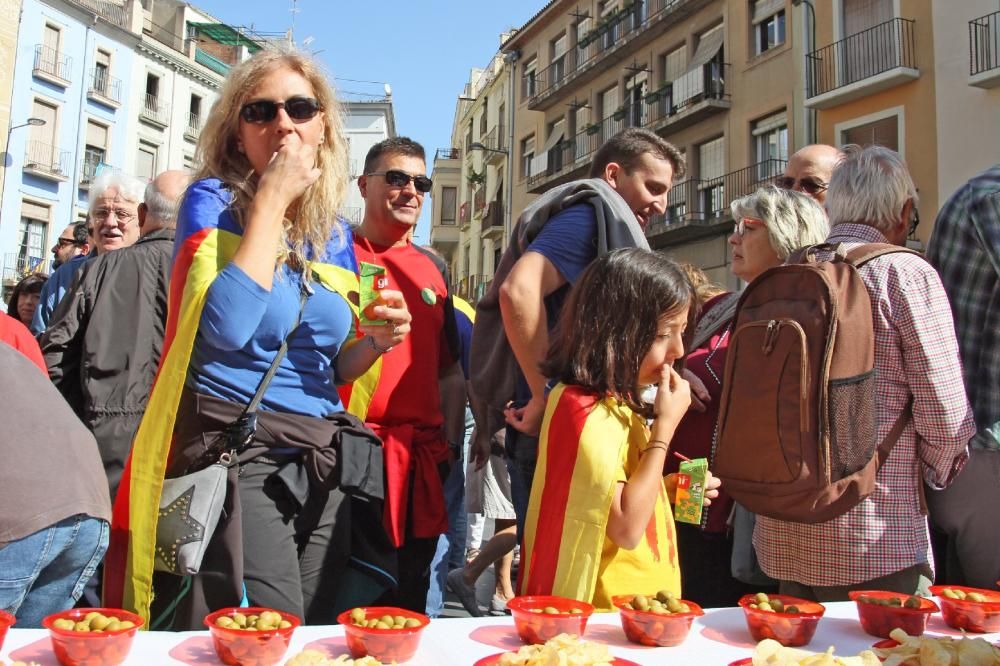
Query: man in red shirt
[393, 545]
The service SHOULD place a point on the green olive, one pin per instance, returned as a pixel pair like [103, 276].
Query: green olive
[912, 602]
[792, 609]
[640, 602]
[762, 598]
[551, 610]
[778, 605]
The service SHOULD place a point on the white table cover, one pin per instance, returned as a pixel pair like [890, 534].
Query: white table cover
[716, 639]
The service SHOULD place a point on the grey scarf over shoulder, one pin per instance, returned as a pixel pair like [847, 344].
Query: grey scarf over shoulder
[492, 362]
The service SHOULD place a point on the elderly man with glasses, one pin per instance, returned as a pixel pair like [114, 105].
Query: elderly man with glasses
[71, 249]
[809, 170]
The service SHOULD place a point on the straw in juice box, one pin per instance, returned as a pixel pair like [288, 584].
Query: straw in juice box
[373, 280]
[690, 490]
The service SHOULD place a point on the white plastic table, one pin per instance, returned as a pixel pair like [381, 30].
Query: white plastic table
[716, 639]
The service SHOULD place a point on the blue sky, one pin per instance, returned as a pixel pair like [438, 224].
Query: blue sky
[424, 50]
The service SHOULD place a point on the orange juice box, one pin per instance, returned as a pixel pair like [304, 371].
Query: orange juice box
[372, 281]
[690, 490]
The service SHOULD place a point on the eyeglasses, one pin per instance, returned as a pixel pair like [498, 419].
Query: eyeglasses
[266, 110]
[122, 215]
[63, 242]
[398, 178]
[914, 221]
[745, 223]
[808, 185]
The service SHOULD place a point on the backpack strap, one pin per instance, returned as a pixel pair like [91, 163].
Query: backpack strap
[719, 316]
[862, 254]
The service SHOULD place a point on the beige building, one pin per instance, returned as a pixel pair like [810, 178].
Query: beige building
[918, 76]
[720, 79]
[10, 19]
[470, 219]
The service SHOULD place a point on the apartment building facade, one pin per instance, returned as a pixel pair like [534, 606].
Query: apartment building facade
[366, 122]
[10, 12]
[471, 200]
[720, 79]
[108, 84]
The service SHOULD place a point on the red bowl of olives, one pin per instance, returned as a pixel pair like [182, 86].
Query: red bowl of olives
[789, 620]
[386, 633]
[92, 635]
[880, 612]
[659, 620]
[251, 636]
[540, 617]
[969, 608]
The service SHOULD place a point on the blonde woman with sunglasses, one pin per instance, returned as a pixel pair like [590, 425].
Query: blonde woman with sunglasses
[260, 260]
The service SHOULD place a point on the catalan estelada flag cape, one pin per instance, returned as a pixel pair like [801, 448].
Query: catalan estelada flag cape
[587, 445]
[207, 237]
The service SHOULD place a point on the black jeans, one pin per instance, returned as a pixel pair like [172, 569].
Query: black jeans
[293, 554]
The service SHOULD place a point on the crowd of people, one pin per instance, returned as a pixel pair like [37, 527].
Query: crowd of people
[365, 426]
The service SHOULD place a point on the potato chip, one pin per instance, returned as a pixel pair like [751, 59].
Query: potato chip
[938, 651]
[562, 649]
[771, 653]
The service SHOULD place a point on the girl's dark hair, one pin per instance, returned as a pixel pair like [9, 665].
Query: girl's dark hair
[32, 284]
[610, 320]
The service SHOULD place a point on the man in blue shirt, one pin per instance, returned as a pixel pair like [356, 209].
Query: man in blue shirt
[639, 167]
[69, 253]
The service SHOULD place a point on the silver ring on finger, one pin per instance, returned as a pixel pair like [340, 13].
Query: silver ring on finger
[395, 330]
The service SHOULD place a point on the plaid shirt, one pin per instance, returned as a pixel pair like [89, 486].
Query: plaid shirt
[915, 354]
[965, 248]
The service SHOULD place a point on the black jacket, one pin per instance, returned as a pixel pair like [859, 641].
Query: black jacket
[104, 342]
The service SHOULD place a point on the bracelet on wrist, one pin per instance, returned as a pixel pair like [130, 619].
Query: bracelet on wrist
[376, 347]
[660, 446]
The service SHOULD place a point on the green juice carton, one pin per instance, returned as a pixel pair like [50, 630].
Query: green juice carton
[690, 490]
[373, 280]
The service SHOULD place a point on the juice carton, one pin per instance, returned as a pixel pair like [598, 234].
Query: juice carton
[373, 280]
[690, 490]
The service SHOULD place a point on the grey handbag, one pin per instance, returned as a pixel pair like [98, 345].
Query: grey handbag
[191, 505]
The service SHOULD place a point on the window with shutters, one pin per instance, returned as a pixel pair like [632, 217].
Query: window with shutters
[41, 151]
[527, 155]
[31, 235]
[95, 150]
[558, 58]
[770, 138]
[145, 161]
[767, 23]
[882, 132]
[102, 73]
[528, 80]
[448, 204]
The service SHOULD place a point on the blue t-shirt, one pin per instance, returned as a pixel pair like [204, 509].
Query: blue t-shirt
[569, 241]
[53, 291]
[242, 327]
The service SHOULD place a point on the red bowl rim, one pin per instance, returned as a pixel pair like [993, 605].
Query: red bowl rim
[619, 601]
[6, 619]
[82, 612]
[746, 661]
[746, 599]
[252, 610]
[525, 603]
[345, 620]
[926, 605]
[994, 606]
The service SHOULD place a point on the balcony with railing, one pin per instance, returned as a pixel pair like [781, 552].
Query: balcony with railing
[447, 154]
[479, 201]
[193, 128]
[472, 287]
[492, 225]
[92, 164]
[45, 161]
[881, 57]
[52, 66]
[154, 111]
[495, 143]
[634, 24]
[697, 208]
[984, 51]
[104, 88]
[17, 265]
[676, 105]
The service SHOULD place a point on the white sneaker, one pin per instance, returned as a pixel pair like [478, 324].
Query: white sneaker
[498, 606]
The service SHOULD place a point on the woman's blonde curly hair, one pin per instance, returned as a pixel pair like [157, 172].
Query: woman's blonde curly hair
[218, 155]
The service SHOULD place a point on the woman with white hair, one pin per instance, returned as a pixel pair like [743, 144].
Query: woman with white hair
[771, 223]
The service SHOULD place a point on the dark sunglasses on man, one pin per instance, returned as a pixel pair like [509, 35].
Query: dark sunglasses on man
[65, 242]
[266, 110]
[397, 178]
[808, 185]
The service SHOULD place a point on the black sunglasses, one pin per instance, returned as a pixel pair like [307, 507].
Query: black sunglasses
[808, 185]
[398, 178]
[265, 110]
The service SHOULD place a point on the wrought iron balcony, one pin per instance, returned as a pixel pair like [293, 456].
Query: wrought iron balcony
[984, 51]
[697, 207]
[51, 65]
[193, 129]
[153, 111]
[861, 64]
[46, 161]
[677, 104]
[448, 154]
[634, 22]
[104, 88]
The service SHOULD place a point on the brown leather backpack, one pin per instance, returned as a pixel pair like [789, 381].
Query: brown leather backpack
[797, 430]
